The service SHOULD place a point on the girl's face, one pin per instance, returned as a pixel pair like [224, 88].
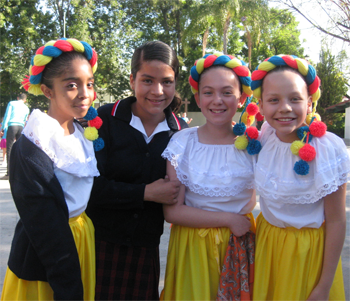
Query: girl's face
[72, 93]
[219, 95]
[154, 88]
[285, 103]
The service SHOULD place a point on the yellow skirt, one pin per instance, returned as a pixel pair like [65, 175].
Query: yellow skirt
[84, 236]
[195, 259]
[288, 263]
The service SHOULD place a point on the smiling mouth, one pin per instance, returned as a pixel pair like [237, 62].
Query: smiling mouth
[155, 100]
[217, 111]
[285, 119]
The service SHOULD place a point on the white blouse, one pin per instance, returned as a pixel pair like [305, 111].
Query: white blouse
[291, 200]
[73, 157]
[217, 177]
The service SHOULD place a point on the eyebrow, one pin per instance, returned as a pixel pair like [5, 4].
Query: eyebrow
[226, 87]
[75, 78]
[150, 76]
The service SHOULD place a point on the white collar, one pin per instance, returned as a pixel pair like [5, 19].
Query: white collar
[73, 154]
[137, 124]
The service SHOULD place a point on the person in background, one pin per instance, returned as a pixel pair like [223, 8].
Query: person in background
[15, 117]
[3, 144]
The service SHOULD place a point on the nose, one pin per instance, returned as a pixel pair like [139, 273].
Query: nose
[285, 106]
[217, 99]
[84, 92]
[157, 89]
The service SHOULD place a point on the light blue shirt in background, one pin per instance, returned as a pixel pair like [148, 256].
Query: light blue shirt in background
[16, 114]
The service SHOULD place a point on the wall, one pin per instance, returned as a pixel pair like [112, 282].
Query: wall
[347, 126]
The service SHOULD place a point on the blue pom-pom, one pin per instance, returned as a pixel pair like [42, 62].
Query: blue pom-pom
[254, 147]
[239, 129]
[98, 144]
[301, 167]
[91, 114]
[300, 133]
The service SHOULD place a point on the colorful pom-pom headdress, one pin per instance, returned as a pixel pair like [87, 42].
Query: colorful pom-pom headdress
[43, 56]
[314, 128]
[248, 140]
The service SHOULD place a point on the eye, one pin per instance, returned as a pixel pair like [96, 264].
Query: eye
[228, 93]
[273, 100]
[91, 85]
[147, 81]
[168, 82]
[72, 85]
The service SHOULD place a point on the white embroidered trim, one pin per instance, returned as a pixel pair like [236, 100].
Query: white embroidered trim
[208, 190]
[308, 198]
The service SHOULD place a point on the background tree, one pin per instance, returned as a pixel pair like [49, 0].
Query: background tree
[333, 88]
[336, 13]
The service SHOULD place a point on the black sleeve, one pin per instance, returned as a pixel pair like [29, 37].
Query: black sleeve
[40, 202]
[107, 192]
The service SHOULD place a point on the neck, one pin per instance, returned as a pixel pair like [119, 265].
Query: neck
[67, 125]
[216, 134]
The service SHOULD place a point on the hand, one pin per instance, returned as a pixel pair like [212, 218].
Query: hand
[238, 224]
[319, 293]
[162, 191]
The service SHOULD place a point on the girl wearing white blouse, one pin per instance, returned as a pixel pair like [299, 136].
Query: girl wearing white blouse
[217, 192]
[301, 176]
[53, 167]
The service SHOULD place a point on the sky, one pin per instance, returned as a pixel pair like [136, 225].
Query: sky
[314, 37]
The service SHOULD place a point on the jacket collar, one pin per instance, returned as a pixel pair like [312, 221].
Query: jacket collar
[122, 111]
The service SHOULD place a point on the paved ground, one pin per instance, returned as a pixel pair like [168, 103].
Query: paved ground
[9, 218]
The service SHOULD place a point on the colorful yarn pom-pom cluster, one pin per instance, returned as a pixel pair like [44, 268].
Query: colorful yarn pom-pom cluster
[248, 135]
[304, 150]
[91, 132]
[218, 59]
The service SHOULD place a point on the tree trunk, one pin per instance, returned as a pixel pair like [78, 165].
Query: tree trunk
[205, 41]
[226, 26]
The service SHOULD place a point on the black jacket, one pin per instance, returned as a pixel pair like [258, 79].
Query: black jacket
[126, 164]
[43, 246]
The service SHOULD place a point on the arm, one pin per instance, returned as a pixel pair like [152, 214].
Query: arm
[120, 164]
[335, 217]
[43, 213]
[6, 119]
[183, 215]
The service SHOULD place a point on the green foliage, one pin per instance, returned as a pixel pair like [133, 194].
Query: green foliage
[333, 88]
[116, 27]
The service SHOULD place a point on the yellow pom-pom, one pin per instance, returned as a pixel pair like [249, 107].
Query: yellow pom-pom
[245, 117]
[241, 142]
[309, 117]
[91, 133]
[296, 146]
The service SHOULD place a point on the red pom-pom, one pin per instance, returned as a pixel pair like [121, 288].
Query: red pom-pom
[307, 153]
[252, 132]
[96, 122]
[317, 128]
[26, 83]
[259, 117]
[252, 109]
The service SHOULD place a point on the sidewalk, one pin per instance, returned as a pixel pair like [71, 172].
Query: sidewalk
[9, 218]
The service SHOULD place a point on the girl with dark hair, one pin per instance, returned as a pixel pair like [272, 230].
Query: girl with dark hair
[52, 170]
[126, 201]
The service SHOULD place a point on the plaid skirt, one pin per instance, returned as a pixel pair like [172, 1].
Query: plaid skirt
[126, 272]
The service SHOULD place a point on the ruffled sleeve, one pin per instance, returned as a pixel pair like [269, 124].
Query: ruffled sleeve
[210, 170]
[276, 180]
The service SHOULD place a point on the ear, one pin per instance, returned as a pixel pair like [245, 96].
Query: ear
[261, 107]
[241, 101]
[196, 97]
[132, 82]
[309, 105]
[46, 90]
